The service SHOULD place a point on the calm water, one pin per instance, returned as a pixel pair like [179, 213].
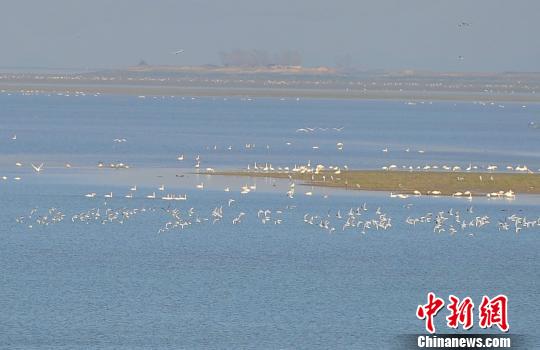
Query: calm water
[265, 286]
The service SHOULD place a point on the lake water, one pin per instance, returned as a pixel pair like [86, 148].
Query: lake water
[126, 281]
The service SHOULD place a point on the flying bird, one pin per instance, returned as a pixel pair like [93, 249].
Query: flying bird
[179, 51]
[37, 168]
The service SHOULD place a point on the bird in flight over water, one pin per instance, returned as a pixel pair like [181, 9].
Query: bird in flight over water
[37, 168]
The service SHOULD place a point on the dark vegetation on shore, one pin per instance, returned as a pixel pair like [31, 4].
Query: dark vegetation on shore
[404, 182]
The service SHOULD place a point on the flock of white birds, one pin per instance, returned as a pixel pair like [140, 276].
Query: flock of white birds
[308, 168]
[358, 219]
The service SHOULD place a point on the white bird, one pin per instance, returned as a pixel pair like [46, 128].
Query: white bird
[179, 51]
[37, 168]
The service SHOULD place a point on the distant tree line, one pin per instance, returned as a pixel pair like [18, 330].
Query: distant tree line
[258, 58]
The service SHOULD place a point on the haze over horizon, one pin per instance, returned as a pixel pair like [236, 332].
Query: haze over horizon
[366, 35]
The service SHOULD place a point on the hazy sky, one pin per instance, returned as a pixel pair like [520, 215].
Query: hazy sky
[379, 34]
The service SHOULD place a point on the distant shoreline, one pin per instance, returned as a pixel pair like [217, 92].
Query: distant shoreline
[283, 82]
[188, 91]
[457, 184]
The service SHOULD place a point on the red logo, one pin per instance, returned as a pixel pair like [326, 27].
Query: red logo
[494, 312]
[460, 312]
[491, 312]
[430, 310]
